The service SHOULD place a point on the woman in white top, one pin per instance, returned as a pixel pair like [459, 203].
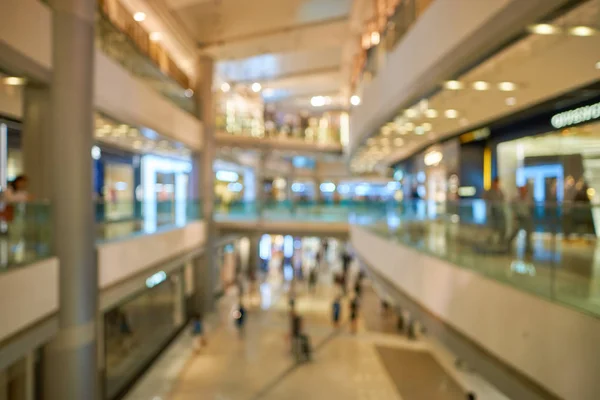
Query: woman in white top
[17, 190]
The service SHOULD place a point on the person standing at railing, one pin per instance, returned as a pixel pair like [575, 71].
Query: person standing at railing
[496, 218]
[15, 197]
[522, 207]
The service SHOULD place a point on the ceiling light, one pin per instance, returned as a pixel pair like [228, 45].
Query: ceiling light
[355, 100]
[398, 142]
[451, 114]
[409, 126]
[419, 130]
[385, 131]
[155, 36]
[139, 16]
[13, 81]
[544, 29]
[481, 85]
[507, 86]
[225, 87]
[256, 87]
[188, 93]
[453, 85]
[431, 113]
[317, 101]
[410, 113]
[375, 38]
[582, 31]
[598, 65]
[511, 101]
[427, 126]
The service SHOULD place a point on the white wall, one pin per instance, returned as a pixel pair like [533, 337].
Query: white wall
[449, 36]
[128, 99]
[27, 295]
[26, 26]
[553, 345]
[122, 259]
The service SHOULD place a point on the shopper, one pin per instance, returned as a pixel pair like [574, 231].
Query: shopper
[313, 277]
[239, 316]
[17, 190]
[522, 207]
[494, 199]
[198, 332]
[336, 311]
[354, 306]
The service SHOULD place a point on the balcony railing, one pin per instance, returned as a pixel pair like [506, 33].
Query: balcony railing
[124, 39]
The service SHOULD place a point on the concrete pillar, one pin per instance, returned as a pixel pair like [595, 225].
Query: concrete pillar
[36, 141]
[259, 175]
[205, 110]
[70, 359]
[254, 258]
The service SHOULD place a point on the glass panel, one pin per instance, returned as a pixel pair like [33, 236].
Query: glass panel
[25, 233]
[148, 217]
[519, 242]
[137, 330]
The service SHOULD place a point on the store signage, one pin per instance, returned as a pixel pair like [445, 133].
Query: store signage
[474, 136]
[576, 116]
[156, 279]
[433, 158]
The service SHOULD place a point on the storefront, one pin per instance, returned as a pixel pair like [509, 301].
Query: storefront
[138, 328]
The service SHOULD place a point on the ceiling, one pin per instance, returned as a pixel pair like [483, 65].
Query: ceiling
[296, 49]
[540, 66]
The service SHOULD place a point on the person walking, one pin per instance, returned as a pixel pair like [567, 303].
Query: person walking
[239, 316]
[522, 207]
[198, 332]
[354, 306]
[313, 277]
[494, 199]
[336, 311]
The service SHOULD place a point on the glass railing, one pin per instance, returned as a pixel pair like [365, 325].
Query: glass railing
[254, 128]
[25, 233]
[399, 23]
[549, 250]
[301, 211]
[118, 220]
[124, 40]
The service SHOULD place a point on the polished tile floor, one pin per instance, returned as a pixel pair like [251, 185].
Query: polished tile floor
[346, 366]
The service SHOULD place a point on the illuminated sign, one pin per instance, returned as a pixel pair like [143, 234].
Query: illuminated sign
[576, 116]
[467, 191]
[474, 136]
[156, 279]
[433, 158]
[227, 176]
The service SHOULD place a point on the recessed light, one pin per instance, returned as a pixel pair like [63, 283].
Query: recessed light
[225, 87]
[598, 65]
[410, 113]
[355, 100]
[409, 126]
[419, 130]
[155, 36]
[427, 126]
[256, 87]
[481, 85]
[453, 85]
[139, 16]
[188, 93]
[507, 86]
[582, 31]
[431, 113]
[451, 114]
[317, 101]
[385, 131]
[14, 81]
[511, 101]
[544, 29]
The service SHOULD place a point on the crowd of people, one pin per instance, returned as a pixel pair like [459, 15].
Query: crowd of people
[574, 211]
